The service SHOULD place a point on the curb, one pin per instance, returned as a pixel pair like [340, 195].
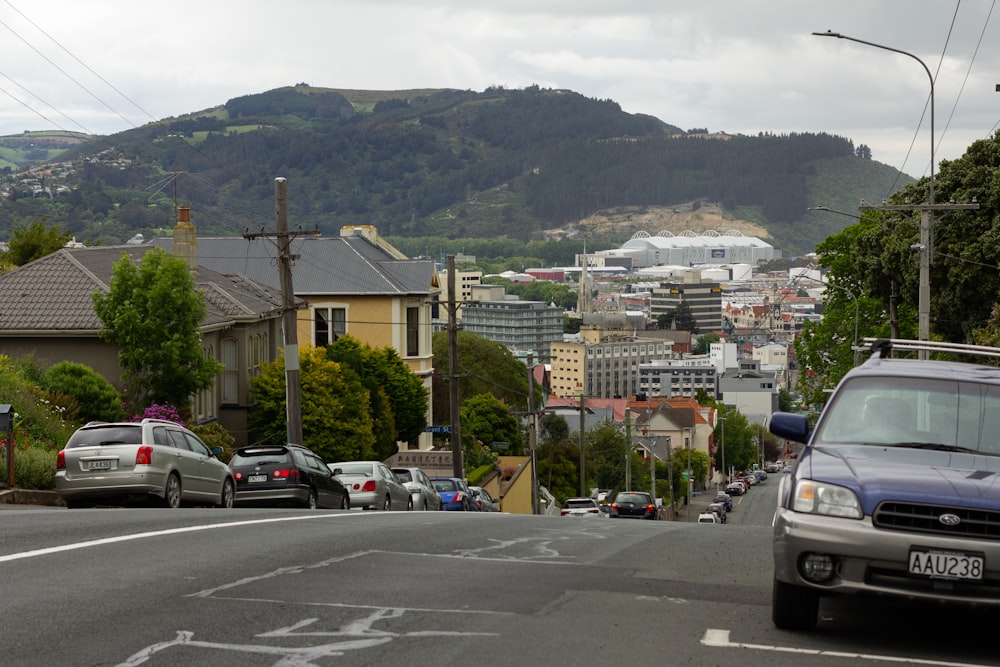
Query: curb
[31, 497]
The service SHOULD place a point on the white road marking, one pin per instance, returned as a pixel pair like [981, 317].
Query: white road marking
[158, 533]
[720, 639]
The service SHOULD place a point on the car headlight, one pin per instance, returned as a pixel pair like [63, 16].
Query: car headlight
[827, 499]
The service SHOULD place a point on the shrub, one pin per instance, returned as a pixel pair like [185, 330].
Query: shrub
[155, 411]
[96, 398]
[34, 468]
[214, 434]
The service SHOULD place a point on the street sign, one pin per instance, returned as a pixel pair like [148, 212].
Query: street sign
[500, 446]
[437, 429]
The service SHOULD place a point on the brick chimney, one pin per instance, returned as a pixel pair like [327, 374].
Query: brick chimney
[185, 239]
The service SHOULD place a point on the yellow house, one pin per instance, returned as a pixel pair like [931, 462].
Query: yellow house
[353, 284]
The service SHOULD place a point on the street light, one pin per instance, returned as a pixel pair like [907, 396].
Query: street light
[927, 219]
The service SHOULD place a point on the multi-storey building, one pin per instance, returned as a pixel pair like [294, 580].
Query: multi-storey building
[524, 327]
[703, 299]
[604, 368]
[678, 377]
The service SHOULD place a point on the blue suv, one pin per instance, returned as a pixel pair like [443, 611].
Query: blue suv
[897, 490]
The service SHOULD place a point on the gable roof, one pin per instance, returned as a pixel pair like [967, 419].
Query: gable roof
[322, 266]
[54, 293]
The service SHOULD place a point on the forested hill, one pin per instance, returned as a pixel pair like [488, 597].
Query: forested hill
[438, 163]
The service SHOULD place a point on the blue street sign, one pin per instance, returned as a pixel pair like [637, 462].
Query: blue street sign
[437, 429]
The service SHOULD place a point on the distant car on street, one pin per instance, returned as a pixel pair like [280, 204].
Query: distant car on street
[588, 507]
[634, 505]
[483, 498]
[286, 475]
[421, 490]
[455, 494]
[372, 485]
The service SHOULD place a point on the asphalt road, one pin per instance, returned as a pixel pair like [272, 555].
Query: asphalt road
[290, 587]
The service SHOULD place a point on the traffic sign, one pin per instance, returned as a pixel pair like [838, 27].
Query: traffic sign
[437, 429]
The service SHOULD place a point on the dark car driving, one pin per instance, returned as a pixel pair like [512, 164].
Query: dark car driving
[286, 475]
[633, 505]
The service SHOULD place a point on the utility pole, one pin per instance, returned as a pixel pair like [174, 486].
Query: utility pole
[283, 240]
[628, 447]
[532, 435]
[926, 248]
[457, 465]
[583, 459]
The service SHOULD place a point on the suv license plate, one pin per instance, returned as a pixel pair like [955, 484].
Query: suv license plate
[946, 564]
[257, 478]
[99, 465]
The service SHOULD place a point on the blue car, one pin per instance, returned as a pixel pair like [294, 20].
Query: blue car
[455, 494]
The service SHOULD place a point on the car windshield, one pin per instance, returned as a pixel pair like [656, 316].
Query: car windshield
[915, 412]
[118, 434]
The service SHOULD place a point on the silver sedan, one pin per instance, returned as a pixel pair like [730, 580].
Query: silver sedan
[422, 491]
[372, 485]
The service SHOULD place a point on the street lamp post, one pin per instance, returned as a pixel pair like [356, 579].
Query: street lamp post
[722, 446]
[927, 216]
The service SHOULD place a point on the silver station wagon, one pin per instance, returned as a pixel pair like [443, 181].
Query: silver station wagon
[155, 459]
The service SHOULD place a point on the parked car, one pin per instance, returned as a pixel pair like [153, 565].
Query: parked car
[633, 505]
[725, 499]
[150, 459]
[894, 492]
[421, 490]
[708, 517]
[582, 507]
[372, 485]
[735, 489]
[720, 511]
[286, 475]
[484, 499]
[455, 494]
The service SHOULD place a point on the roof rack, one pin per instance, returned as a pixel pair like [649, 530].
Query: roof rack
[883, 346]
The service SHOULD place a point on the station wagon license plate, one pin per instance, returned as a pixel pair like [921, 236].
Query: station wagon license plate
[256, 478]
[99, 465]
[946, 564]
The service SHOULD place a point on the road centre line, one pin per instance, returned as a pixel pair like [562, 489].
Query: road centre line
[720, 639]
[158, 533]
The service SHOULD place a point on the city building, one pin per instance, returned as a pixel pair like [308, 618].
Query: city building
[703, 299]
[751, 390]
[524, 327]
[689, 249]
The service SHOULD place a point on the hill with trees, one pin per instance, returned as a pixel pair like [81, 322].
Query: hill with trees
[441, 165]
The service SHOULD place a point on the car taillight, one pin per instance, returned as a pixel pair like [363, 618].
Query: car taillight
[144, 456]
[563, 512]
[237, 476]
[285, 473]
[614, 506]
[369, 486]
[594, 511]
[459, 497]
[61, 460]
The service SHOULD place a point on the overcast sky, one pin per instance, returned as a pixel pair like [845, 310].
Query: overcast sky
[739, 66]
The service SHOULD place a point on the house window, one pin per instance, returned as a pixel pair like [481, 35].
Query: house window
[330, 324]
[230, 371]
[412, 332]
[256, 351]
[205, 401]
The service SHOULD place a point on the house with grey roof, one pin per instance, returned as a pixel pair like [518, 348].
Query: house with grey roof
[355, 284]
[47, 312]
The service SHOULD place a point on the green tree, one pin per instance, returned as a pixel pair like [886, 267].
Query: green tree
[486, 419]
[384, 373]
[336, 420]
[152, 312]
[96, 398]
[30, 242]
[704, 342]
[484, 367]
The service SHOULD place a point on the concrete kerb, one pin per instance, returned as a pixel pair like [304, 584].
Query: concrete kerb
[30, 497]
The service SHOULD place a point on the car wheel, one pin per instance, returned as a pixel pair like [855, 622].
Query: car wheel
[794, 607]
[172, 492]
[311, 500]
[345, 502]
[228, 494]
[387, 505]
[409, 503]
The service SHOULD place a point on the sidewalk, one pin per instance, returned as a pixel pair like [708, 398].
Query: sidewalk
[21, 498]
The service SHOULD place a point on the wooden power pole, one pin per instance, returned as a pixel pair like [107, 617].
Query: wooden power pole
[457, 465]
